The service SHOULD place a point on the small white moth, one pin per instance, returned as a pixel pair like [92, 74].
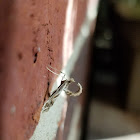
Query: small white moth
[63, 87]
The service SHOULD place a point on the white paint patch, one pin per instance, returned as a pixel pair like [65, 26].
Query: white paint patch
[13, 109]
[48, 123]
[44, 76]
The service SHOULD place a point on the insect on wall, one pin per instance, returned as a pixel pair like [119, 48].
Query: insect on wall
[62, 87]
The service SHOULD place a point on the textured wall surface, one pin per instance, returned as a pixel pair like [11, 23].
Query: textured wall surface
[33, 34]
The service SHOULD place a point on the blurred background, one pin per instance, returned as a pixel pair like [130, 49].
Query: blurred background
[113, 104]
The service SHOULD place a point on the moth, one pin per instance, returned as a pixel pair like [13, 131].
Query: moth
[62, 87]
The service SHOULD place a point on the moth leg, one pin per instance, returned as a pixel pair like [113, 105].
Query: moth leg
[46, 106]
[77, 93]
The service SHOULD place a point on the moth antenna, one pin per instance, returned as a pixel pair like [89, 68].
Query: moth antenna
[55, 72]
[52, 71]
[56, 69]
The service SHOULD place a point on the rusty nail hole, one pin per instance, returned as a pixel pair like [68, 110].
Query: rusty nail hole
[32, 15]
[48, 83]
[35, 57]
[35, 52]
[20, 56]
